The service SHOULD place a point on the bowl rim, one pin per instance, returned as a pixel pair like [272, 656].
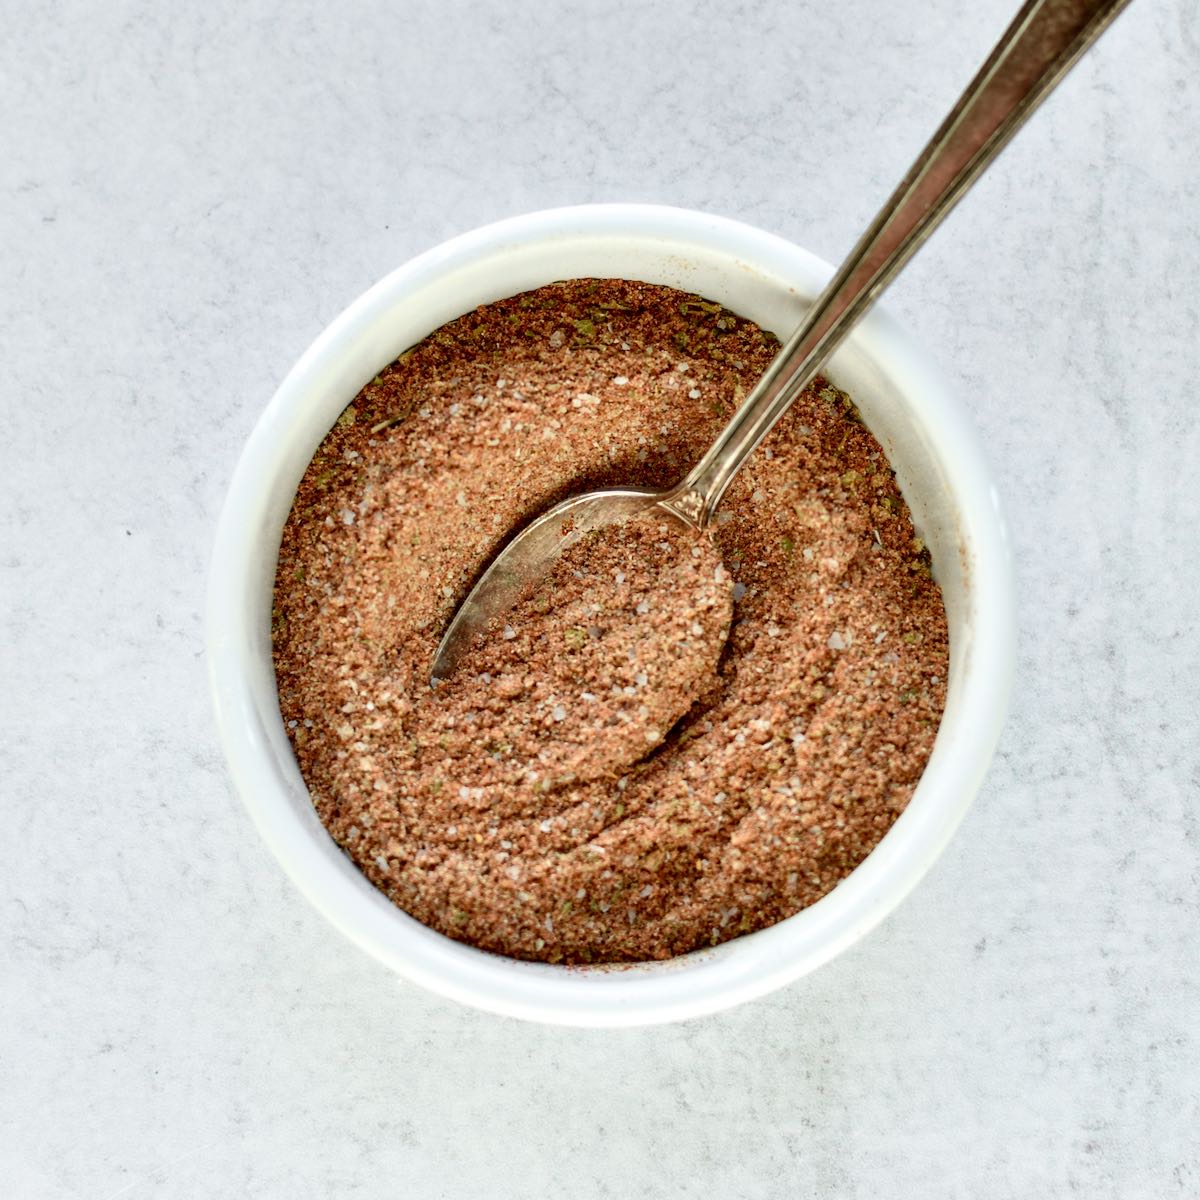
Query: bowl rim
[707, 980]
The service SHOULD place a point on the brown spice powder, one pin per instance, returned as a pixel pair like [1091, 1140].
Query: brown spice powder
[709, 786]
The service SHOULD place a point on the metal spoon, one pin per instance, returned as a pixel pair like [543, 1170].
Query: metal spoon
[1038, 48]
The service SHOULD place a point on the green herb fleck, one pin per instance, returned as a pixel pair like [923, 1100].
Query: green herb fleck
[388, 423]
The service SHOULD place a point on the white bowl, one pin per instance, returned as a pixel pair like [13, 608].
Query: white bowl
[940, 468]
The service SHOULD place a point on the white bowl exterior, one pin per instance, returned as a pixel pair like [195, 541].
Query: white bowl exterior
[904, 401]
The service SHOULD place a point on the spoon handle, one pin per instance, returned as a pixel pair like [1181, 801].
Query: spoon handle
[1038, 48]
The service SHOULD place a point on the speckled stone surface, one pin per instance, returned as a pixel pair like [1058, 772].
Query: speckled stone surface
[187, 195]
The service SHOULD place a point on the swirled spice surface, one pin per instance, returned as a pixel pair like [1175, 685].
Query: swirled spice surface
[539, 804]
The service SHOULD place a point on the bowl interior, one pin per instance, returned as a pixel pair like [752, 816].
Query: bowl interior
[938, 466]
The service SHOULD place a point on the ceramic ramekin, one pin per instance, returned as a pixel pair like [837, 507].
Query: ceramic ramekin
[903, 399]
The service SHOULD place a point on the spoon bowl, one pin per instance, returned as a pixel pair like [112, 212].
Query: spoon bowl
[531, 554]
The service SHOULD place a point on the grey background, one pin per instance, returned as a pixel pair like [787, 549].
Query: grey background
[187, 195]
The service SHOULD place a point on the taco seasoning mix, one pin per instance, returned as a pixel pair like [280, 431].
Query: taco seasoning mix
[670, 741]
